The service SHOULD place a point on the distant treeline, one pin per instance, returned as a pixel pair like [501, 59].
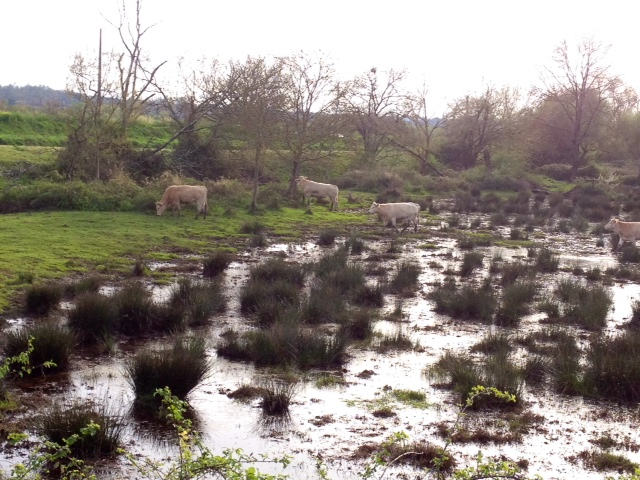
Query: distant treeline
[33, 96]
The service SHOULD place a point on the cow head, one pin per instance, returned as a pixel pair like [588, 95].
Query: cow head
[300, 179]
[160, 208]
[374, 207]
[612, 223]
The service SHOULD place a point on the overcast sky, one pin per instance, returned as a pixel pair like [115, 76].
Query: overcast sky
[455, 47]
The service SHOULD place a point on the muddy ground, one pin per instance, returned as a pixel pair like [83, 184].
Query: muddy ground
[332, 423]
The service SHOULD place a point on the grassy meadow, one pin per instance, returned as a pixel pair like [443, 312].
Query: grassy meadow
[56, 244]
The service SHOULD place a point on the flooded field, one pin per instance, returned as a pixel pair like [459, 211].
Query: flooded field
[331, 423]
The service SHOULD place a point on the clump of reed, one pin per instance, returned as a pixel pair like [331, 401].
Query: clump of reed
[51, 342]
[181, 367]
[586, 306]
[397, 340]
[470, 262]
[368, 295]
[471, 302]
[41, 299]
[515, 303]
[63, 420]
[613, 367]
[546, 261]
[355, 245]
[285, 343]
[89, 283]
[276, 396]
[496, 370]
[93, 317]
[359, 325]
[327, 237]
[216, 263]
[198, 299]
[324, 304]
[134, 309]
[404, 280]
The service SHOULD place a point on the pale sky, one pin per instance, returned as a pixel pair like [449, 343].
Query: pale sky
[455, 47]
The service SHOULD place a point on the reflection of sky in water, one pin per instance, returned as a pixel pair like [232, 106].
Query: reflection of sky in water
[568, 426]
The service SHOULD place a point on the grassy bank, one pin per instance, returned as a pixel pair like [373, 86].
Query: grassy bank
[48, 245]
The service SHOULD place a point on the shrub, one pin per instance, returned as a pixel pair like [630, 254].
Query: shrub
[181, 368]
[51, 343]
[63, 420]
[216, 263]
[40, 299]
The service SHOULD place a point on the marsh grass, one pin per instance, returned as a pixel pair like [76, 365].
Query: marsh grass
[494, 343]
[404, 280]
[140, 268]
[355, 244]
[359, 325]
[134, 309]
[216, 263]
[62, 420]
[257, 297]
[327, 237]
[205, 299]
[605, 461]
[513, 271]
[93, 317]
[566, 369]
[275, 269]
[470, 262]
[398, 340]
[254, 227]
[413, 398]
[546, 261]
[324, 304]
[41, 299]
[463, 374]
[90, 283]
[51, 342]
[516, 302]
[276, 396]
[471, 302]
[368, 295]
[613, 367]
[586, 306]
[181, 367]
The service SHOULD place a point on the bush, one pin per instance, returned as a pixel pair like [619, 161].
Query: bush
[327, 237]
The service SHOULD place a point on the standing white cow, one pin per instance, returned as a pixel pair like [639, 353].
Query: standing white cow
[628, 231]
[176, 194]
[407, 212]
[318, 190]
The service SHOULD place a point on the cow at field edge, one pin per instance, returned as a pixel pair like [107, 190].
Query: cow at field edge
[318, 190]
[407, 212]
[628, 231]
[176, 194]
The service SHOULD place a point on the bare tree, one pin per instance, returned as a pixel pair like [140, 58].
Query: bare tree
[415, 130]
[577, 91]
[113, 90]
[477, 124]
[310, 121]
[258, 100]
[372, 103]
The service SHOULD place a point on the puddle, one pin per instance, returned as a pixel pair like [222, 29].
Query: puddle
[333, 422]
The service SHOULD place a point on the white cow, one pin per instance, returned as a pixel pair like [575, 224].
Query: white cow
[176, 194]
[628, 231]
[318, 190]
[407, 212]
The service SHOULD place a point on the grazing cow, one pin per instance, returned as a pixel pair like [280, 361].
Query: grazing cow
[628, 231]
[407, 212]
[176, 194]
[318, 190]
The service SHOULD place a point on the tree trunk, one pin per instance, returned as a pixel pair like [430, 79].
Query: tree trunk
[256, 178]
[295, 173]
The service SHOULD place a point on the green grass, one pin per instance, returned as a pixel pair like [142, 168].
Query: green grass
[57, 244]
